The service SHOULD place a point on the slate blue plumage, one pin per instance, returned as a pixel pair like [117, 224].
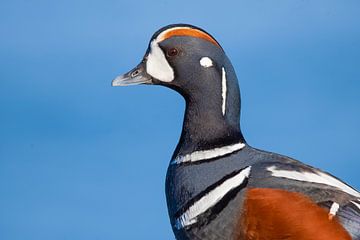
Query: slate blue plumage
[208, 129]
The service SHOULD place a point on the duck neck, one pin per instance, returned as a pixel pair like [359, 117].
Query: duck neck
[207, 123]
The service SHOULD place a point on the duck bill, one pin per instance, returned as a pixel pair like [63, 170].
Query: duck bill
[136, 76]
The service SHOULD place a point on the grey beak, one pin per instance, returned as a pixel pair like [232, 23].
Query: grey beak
[134, 77]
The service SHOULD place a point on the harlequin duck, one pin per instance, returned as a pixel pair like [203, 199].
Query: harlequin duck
[219, 187]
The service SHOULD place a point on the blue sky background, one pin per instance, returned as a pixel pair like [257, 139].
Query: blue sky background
[82, 160]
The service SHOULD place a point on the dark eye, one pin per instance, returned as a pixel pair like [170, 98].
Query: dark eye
[172, 52]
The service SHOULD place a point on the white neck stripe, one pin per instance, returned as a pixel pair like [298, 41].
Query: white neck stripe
[223, 90]
[208, 154]
[313, 177]
[189, 217]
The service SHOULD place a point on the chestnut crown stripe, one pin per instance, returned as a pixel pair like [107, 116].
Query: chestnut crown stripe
[186, 31]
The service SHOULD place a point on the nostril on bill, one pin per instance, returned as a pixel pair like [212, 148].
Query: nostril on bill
[135, 73]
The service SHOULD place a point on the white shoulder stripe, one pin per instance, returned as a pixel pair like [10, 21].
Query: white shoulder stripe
[313, 177]
[208, 154]
[356, 204]
[189, 217]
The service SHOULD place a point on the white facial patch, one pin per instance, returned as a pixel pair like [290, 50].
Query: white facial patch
[313, 177]
[157, 66]
[189, 217]
[206, 62]
[224, 89]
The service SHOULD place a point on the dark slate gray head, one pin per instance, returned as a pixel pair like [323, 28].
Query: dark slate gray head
[189, 60]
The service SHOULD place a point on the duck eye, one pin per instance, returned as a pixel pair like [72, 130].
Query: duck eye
[172, 52]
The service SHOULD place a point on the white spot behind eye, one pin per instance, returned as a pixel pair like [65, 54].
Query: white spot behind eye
[157, 66]
[206, 62]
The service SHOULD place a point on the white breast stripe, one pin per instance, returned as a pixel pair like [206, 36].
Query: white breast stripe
[223, 83]
[156, 64]
[208, 154]
[317, 177]
[334, 208]
[189, 217]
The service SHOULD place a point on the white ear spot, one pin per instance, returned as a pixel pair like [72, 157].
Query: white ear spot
[157, 66]
[206, 62]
